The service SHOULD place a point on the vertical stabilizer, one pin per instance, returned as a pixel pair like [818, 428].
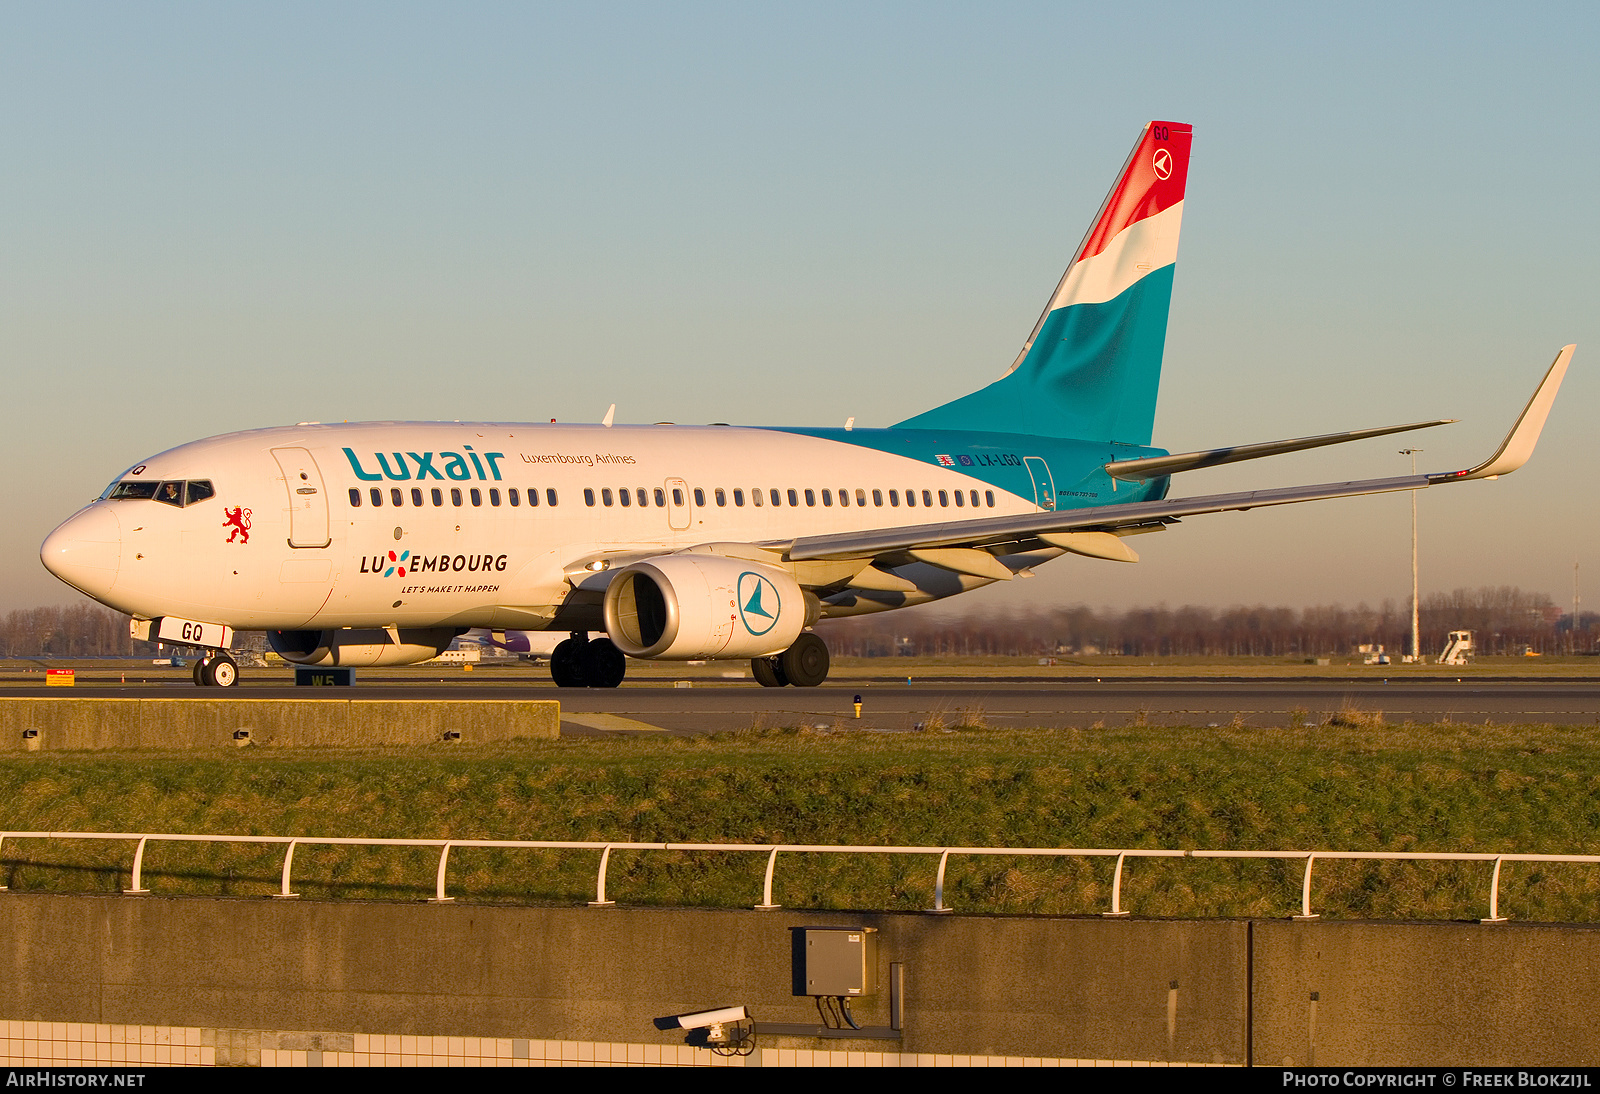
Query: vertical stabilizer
[1092, 365]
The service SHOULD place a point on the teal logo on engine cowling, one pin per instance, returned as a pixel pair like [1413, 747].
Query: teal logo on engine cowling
[759, 604]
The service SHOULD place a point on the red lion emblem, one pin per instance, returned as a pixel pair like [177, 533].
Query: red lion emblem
[239, 521]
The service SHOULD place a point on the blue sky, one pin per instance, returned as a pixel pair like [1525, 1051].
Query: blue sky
[225, 216]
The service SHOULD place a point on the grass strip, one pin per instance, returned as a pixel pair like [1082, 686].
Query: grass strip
[1350, 787]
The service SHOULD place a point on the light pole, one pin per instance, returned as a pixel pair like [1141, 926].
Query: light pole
[1416, 629]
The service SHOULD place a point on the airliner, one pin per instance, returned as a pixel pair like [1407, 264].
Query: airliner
[378, 543]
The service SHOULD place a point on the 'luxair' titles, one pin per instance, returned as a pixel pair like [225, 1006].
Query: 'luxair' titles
[419, 465]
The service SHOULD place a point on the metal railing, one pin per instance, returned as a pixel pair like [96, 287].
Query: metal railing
[772, 851]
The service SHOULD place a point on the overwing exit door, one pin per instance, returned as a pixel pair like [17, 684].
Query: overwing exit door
[678, 511]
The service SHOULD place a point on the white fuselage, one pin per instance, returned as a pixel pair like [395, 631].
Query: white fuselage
[435, 524]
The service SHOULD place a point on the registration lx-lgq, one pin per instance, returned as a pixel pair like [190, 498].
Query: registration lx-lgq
[377, 544]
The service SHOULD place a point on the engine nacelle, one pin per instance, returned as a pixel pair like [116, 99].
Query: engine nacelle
[360, 649]
[691, 606]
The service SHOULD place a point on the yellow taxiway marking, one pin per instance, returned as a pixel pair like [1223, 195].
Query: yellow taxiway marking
[612, 722]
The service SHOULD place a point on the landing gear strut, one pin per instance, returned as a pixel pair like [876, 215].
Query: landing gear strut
[216, 670]
[580, 663]
[804, 664]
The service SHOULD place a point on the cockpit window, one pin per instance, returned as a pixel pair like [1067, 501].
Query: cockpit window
[176, 493]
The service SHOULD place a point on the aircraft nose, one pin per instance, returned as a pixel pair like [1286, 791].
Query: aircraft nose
[86, 551]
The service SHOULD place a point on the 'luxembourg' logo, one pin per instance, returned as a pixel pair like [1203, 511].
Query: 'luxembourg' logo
[397, 564]
[758, 603]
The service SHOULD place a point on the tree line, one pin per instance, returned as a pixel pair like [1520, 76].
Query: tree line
[74, 630]
[1504, 620]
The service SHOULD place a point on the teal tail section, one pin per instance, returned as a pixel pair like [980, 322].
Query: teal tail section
[1092, 373]
[1092, 366]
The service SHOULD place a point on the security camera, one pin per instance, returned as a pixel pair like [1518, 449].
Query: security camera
[704, 1019]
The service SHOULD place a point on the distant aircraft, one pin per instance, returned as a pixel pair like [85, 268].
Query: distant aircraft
[529, 645]
[378, 543]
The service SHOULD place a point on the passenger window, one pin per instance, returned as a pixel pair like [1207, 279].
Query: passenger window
[827, 498]
[677, 496]
[794, 499]
[661, 498]
[861, 497]
[477, 496]
[416, 497]
[455, 495]
[396, 498]
[625, 496]
[355, 497]
[911, 499]
[927, 498]
[877, 498]
[513, 497]
[377, 496]
[699, 496]
[494, 497]
[644, 497]
[894, 498]
[605, 495]
[171, 493]
[844, 497]
[974, 499]
[722, 498]
[775, 500]
[944, 500]
[550, 496]
[989, 497]
[437, 495]
[738, 496]
[755, 496]
[199, 491]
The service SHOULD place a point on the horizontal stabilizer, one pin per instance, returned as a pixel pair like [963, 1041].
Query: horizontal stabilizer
[1154, 467]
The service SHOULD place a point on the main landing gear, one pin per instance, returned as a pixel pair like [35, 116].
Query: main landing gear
[579, 663]
[216, 670]
[804, 664]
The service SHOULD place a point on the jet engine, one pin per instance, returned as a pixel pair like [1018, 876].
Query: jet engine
[692, 606]
[361, 649]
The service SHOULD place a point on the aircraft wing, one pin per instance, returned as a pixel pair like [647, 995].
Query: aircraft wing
[960, 544]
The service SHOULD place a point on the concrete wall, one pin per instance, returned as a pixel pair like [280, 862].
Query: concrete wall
[1014, 986]
[74, 723]
[1331, 994]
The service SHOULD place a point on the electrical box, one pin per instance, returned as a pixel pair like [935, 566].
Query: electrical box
[840, 961]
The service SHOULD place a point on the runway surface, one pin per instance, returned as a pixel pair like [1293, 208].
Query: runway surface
[710, 706]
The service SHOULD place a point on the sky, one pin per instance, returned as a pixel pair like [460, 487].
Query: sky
[222, 216]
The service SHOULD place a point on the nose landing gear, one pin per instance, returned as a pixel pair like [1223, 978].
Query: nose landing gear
[216, 670]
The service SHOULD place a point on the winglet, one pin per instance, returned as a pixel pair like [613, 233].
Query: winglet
[1518, 445]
